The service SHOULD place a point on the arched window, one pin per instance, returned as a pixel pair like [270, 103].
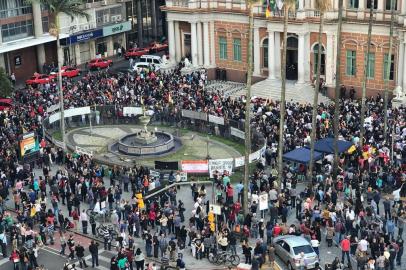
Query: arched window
[323, 59]
[265, 59]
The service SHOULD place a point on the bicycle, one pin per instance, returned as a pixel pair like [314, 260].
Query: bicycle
[102, 229]
[224, 258]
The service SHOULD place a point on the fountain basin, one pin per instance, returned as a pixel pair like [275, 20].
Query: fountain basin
[132, 145]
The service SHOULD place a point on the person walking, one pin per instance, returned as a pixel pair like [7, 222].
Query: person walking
[139, 259]
[80, 253]
[92, 222]
[94, 251]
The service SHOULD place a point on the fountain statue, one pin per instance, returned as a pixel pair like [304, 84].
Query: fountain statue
[145, 137]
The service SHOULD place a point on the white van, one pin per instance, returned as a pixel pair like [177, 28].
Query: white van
[151, 59]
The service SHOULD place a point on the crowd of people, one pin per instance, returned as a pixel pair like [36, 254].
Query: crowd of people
[346, 209]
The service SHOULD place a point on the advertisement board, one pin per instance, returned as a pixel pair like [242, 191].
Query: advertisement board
[220, 165]
[28, 144]
[116, 28]
[194, 166]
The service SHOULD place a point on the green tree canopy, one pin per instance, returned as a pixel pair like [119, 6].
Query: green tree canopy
[6, 88]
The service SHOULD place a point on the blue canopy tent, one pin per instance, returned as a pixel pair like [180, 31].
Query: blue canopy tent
[302, 155]
[327, 146]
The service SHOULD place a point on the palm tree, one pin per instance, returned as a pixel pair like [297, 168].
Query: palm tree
[288, 5]
[366, 70]
[247, 126]
[388, 68]
[73, 9]
[323, 6]
[337, 88]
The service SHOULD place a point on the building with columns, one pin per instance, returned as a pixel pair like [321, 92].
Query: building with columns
[214, 34]
[25, 44]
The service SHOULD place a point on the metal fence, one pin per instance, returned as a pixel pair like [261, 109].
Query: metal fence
[113, 115]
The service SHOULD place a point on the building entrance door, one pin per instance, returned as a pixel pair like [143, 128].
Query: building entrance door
[291, 58]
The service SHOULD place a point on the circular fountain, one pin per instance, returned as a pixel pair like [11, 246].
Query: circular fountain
[145, 142]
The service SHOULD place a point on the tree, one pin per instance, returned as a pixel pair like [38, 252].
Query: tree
[337, 88]
[387, 74]
[247, 127]
[366, 70]
[73, 9]
[322, 6]
[6, 88]
[288, 5]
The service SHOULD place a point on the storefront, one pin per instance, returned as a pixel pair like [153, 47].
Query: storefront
[79, 47]
[116, 35]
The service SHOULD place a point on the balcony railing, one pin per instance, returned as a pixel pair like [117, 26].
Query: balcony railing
[259, 10]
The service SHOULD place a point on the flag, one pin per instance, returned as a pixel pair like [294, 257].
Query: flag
[268, 10]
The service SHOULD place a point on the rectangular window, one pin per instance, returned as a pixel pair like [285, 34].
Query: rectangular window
[351, 63]
[237, 49]
[385, 67]
[223, 48]
[388, 3]
[353, 3]
[370, 66]
[18, 30]
[14, 8]
[369, 2]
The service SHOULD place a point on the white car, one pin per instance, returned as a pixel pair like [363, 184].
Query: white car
[142, 65]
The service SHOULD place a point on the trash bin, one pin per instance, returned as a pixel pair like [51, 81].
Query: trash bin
[224, 75]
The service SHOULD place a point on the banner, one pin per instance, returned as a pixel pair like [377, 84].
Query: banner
[220, 165]
[195, 166]
[215, 209]
[28, 144]
[53, 108]
[76, 111]
[183, 176]
[216, 120]
[194, 115]
[128, 111]
[263, 201]
[83, 151]
[237, 133]
[239, 162]
[166, 165]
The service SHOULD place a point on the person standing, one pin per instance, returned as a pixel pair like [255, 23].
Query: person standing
[13, 79]
[92, 222]
[63, 243]
[84, 219]
[139, 259]
[3, 243]
[80, 253]
[71, 246]
[345, 249]
[94, 251]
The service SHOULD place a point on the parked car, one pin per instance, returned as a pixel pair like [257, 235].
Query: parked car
[100, 63]
[157, 47]
[67, 71]
[135, 52]
[39, 79]
[289, 247]
[143, 65]
[151, 59]
[6, 104]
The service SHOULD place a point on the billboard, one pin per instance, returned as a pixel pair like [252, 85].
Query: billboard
[28, 144]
